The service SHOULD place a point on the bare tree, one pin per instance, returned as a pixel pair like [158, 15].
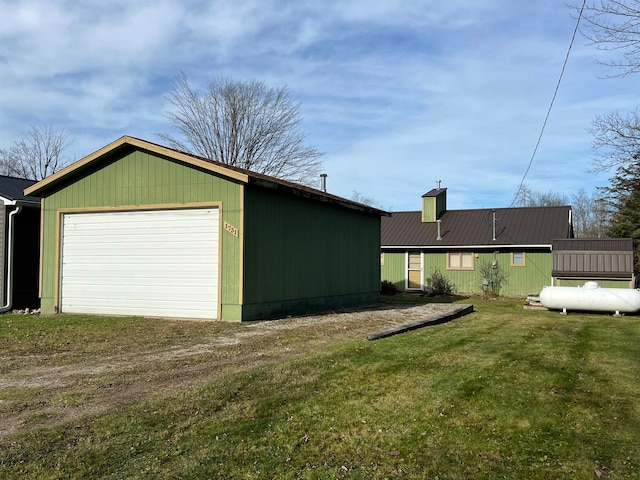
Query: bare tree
[616, 139]
[614, 25]
[526, 197]
[244, 124]
[37, 155]
[590, 214]
[365, 200]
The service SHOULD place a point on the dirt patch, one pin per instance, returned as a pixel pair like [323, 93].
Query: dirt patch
[41, 393]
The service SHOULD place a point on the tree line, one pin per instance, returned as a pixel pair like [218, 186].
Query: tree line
[245, 124]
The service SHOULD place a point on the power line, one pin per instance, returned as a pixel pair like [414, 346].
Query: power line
[546, 118]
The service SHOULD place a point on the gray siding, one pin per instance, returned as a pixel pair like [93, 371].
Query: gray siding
[3, 254]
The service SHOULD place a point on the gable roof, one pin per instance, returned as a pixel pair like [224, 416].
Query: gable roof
[12, 189]
[527, 226]
[242, 175]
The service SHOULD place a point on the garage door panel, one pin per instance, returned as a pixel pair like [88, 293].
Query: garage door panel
[158, 263]
[112, 287]
[89, 264]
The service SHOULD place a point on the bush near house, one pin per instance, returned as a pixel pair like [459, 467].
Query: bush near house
[439, 284]
[388, 288]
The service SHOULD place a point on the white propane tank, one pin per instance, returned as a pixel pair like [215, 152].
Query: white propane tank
[592, 298]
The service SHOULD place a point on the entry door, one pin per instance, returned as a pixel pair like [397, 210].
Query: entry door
[154, 263]
[414, 271]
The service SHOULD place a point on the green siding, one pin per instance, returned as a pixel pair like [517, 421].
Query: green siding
[429, 209]
[141, 178]
[433, 206]
[394, 269]
[302, 256]
[520, 281]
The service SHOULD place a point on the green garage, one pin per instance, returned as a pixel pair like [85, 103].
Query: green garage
[140, 229]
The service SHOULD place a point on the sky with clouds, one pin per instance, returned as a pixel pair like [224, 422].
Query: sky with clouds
[398, 93]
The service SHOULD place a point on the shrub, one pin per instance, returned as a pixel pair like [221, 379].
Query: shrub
[492, 277]
[439, 284]
[388, 288]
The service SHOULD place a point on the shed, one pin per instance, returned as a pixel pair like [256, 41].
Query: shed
[607, 260]
[19, 244]
[136, 228]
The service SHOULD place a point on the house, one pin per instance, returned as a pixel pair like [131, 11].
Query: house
[609, 261]
[136, 228]
[507, 250]
[19, 245]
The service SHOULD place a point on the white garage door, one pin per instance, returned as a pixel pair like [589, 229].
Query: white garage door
[155, 263]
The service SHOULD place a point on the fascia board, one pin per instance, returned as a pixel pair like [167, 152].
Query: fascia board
[460, 247]
[182, 157]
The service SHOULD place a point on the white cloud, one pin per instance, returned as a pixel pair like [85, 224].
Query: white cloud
[398, 93]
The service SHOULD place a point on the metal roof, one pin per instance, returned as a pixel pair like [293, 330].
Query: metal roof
[12, 188]
[526, 226]
[594, 244]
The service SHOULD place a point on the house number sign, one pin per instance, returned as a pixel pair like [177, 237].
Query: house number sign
[231, 229]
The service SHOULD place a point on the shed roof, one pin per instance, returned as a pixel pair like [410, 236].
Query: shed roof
[526, 226]
[60, 178]
[593, 244]
[593, 258]
[12, 189]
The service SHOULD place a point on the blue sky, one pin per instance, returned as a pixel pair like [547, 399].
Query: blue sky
[398, 94]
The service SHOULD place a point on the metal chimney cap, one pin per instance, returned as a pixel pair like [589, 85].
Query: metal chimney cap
[323, 182]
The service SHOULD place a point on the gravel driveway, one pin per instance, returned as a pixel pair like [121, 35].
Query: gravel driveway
[42, 393]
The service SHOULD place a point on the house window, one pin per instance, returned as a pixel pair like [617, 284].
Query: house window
[517, 259]
[460, 261]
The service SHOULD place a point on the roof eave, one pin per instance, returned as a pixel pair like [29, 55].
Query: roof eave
[313, 194]
[466, 247]
[40, 187]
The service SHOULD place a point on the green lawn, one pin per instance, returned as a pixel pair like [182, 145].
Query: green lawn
[501, 393]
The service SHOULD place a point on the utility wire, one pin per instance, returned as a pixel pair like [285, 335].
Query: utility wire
[546, 118]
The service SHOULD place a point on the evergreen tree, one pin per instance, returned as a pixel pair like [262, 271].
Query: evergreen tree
[624, 201]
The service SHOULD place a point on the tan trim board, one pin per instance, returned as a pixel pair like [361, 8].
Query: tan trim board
[125, 140]
[241, 259]
[524, 260]
[220, 260]
[449, 267]
[168, 152]
[154, 206]
[56, 290]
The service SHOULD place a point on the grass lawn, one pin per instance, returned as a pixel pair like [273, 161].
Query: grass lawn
[501, 393]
